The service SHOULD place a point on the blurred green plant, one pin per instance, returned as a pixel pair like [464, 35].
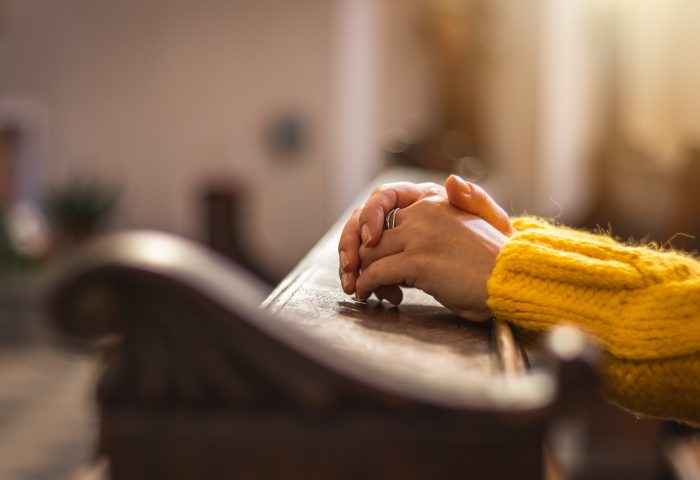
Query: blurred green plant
[11, 259]
[25, 240]
[81, 207]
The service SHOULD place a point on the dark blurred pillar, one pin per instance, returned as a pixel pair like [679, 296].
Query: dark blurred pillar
[226, 207]
[9, 143]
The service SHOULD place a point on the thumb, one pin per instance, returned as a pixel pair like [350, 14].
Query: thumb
[473, 199]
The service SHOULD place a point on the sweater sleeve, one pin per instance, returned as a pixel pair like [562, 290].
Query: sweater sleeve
[639, 302]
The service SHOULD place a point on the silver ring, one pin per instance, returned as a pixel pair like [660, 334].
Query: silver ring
[390, 219]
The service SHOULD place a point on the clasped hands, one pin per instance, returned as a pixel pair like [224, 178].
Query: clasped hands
[445, 242]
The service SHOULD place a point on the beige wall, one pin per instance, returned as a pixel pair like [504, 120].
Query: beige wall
[159, 95]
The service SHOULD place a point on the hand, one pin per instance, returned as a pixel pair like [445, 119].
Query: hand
[365, 225]
[439, 249]
[464, 195]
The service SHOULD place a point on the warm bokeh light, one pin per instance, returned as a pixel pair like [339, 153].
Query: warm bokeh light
[253, 125]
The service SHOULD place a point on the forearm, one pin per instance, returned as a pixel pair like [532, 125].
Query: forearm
[638, 302]
[642, 305]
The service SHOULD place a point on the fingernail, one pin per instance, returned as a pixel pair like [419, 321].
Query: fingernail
[464, 186]
[358, 299]
[345, 280]
[344, 260]
[364, 233]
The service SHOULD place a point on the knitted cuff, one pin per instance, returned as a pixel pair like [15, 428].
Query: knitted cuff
[639, 303]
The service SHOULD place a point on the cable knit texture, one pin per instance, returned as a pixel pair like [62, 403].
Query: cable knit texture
[642, 304]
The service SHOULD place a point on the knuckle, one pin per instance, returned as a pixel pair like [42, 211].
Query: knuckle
[346, 237]
[479, 194]
[437, 190]
[382, 190]
[432, 190]
[369, 276]
[370, 215]
[425, 203]
[420, 204]
[429, 185]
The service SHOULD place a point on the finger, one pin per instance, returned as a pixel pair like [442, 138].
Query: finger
[390, 293]
[348, 280]
[392, 242]
[348, 252]
[471, 198]
[391, 270]
[383, 199]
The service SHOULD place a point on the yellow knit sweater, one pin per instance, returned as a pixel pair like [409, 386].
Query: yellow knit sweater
[641, 304]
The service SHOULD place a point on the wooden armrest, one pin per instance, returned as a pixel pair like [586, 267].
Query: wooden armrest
[200, 381]
[204, 377]
[186, 327]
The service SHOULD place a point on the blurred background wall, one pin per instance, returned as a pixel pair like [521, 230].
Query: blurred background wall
[584, 109]
[163, 96]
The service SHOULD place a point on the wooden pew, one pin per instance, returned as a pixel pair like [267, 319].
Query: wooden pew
[199, 381]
